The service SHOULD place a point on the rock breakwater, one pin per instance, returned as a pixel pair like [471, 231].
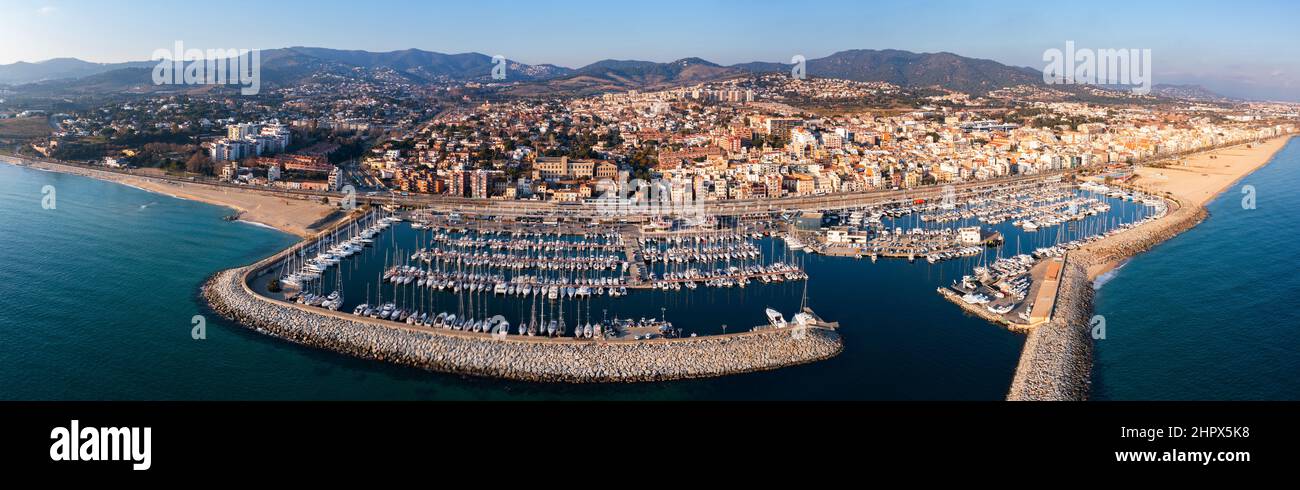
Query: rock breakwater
[1056, 363]
[519, 358]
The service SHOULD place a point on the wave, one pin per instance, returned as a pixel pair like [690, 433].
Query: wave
[1105, 277]
[257, 224]
[151, 191]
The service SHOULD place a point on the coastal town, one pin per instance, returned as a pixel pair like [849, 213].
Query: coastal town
[731, 140]
[315, 237]
[475, 227]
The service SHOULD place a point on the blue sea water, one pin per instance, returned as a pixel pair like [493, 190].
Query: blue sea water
[1214, 313]
[97, 297]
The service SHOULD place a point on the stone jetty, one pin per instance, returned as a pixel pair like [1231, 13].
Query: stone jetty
[518, 358]
[1056, 363]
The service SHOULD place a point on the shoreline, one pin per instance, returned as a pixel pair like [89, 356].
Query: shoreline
[1199, 197]
[1055, 363]
[289, 215]
[1057, 360]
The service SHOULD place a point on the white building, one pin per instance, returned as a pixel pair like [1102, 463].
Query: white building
[228, 150]
[279, 137]
[336, 179]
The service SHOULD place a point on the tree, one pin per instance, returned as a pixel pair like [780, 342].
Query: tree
[199, 163]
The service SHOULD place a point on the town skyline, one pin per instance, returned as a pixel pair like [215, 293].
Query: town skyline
[1245, 62]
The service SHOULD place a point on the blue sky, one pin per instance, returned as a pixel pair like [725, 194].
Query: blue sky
[1242, 47]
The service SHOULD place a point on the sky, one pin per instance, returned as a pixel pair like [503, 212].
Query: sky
[1248, 48]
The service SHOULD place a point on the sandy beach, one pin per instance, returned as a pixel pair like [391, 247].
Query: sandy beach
[1195, 180]
[300, 217]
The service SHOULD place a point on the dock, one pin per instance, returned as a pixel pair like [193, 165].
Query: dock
[630, 255]
[1035, 310]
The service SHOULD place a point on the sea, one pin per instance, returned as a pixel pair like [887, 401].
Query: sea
[99, 299]
[1214, 313]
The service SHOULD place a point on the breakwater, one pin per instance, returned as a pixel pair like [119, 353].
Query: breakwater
[1056, 363]
[518, 358]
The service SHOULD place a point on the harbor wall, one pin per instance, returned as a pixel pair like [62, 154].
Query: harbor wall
[1056, 363]
[513, 357]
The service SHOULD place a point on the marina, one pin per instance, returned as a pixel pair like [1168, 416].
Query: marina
[609, 351]
[452, 274]
[489, 281]
[1020, 291]
[897, 311]
[883, 309]
[1014, 287]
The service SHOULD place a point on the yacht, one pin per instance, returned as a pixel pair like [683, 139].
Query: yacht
[775, 318]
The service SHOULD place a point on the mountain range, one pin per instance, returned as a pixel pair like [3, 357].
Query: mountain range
[59, 68]
[301, 64]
